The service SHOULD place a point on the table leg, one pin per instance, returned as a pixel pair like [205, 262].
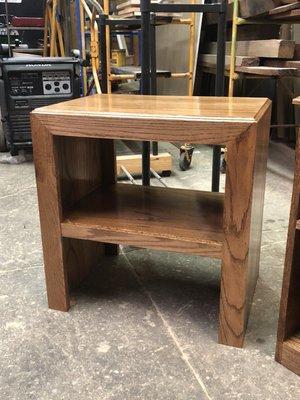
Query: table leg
[67, 169]
[243, 212]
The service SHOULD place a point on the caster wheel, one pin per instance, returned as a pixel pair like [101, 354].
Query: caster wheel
[3, 145]
[166, 173]
[184, 163]
[14, 152]
[223, 166]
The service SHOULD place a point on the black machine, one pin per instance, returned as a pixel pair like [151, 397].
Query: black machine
[28, 83]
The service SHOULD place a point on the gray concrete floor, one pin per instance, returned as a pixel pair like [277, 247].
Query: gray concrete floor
[145, 325]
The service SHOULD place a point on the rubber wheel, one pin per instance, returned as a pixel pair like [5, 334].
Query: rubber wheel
[184, 163]
[223, 166]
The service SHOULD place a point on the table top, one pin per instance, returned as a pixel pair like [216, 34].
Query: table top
[243, 110]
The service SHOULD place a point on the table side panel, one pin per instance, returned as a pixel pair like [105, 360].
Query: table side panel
[289, 315]
[245, 182]
[258, 197]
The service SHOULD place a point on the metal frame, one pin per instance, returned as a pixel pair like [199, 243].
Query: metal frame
[147, 22]
[149, 75]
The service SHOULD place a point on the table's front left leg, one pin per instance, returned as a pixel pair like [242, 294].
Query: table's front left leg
[67, 169]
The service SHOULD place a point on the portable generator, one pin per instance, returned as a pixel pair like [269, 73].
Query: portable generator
[28, 83]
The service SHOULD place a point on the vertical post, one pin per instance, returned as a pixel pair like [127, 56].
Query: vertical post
[153, 82]
[107, 46]
[145, 80]
[7, 29]
[192, 53]
[53, 44]
[219, 88]
[83, 47]
[233, 48]
[103, 54]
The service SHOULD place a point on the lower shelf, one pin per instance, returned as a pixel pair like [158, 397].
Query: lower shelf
[179, 220]
[290, 356]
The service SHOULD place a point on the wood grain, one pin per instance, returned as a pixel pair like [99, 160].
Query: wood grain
[161, 118]
[275, 48]
[243, 208]
[63, 176]
[290, 354]
[289, 316]
[211, 60]
[179, 220]
[50, 217]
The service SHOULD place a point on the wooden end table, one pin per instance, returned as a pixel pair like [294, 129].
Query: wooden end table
[288, 338]
[84, 213]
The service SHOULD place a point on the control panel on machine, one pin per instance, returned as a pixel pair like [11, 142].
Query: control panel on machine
[40, 83]
[56, 83]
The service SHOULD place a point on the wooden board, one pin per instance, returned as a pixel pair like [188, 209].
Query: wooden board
[132, 3]
[135, 12]
[129, 3]
[273, 62]
[285, 8]
[296, 101]
[149, 216]
[211, 59]
[268, 71]
[133, 163]
[292, 15]
[251, 8]
[274, 48]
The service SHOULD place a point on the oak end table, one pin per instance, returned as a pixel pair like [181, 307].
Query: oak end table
[85, 214]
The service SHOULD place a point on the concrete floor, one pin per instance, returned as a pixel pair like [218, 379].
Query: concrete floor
[145, 325]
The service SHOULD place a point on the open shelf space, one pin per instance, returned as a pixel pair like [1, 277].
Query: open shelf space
[153, 217]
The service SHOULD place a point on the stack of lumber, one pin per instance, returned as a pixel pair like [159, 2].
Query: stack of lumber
[254, 8]
[131, 9]
[268, 57]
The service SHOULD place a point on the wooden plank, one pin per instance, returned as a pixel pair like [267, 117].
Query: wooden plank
[296, 101]
[292, 15]
[273, 48]
[133, 163]
[255, 7]
[129, 3]
[268, 71]
[154, 216]
[274, 62]
[211, 59]
[247, 8]
[285, 8]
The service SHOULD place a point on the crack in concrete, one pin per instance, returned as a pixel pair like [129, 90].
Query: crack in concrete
[168, 328]
[17, 192]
